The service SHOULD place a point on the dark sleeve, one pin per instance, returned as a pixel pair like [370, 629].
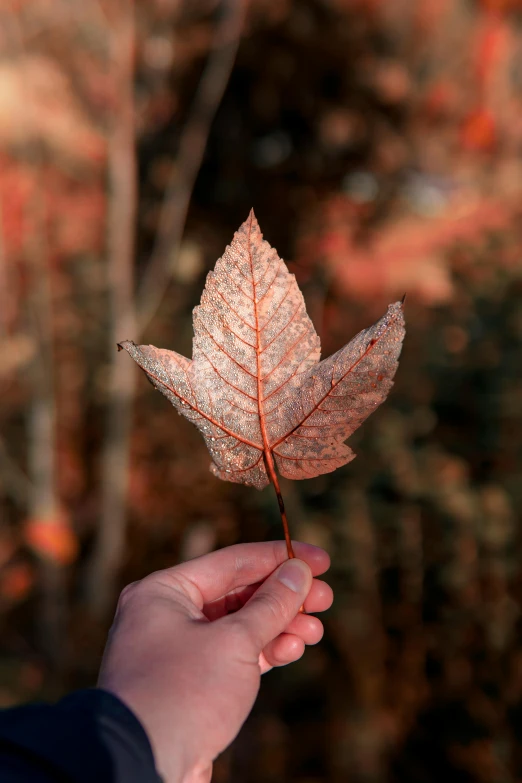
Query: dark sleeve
[88, 737]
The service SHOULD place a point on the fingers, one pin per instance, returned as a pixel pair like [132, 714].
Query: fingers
[214, 575]
[229, 603]
[309, 629]
[274, 605]
[286, 649]
[290, 645]
[303, 629]
[320, 597]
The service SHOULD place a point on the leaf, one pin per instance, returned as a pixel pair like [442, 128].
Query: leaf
[255, 387]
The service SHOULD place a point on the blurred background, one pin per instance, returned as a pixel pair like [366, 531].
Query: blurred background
[380, 144]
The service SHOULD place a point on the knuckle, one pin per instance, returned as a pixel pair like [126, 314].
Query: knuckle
[273, 605]
[128, 592]
[271, 614]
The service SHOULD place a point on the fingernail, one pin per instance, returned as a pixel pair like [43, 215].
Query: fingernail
[294, 574]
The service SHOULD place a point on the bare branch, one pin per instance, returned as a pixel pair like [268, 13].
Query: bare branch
[110, 540]
[190, 155]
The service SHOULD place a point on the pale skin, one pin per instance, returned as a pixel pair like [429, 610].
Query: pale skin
[189, 644]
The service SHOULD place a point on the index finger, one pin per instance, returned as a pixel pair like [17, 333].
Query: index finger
[214, 575]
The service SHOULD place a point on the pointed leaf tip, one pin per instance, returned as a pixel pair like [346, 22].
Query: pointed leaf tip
[252, 224]
[125, 345]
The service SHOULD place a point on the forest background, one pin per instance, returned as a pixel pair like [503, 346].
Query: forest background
[380, 144]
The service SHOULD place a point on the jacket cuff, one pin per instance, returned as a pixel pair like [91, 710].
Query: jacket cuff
[88, 735]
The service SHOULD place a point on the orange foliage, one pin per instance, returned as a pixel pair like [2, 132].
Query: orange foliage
[52, 539]
[406, 255]
[75, 210]
[478, 131]
[16, 580]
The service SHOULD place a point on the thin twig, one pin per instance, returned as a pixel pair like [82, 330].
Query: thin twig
[110, 539]
[189, 158]
[44, 505]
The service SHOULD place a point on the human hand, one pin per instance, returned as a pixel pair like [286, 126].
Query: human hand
[189, 644]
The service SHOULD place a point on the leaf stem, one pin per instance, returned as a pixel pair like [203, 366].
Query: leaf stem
[273, 478]
[269, 462]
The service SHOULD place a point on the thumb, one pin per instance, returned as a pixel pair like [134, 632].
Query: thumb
[276, 603]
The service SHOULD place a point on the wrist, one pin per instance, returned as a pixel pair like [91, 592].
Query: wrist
[200, 773]
[173, 758]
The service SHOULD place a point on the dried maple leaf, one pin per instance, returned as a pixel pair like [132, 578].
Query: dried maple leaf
[255, 387]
